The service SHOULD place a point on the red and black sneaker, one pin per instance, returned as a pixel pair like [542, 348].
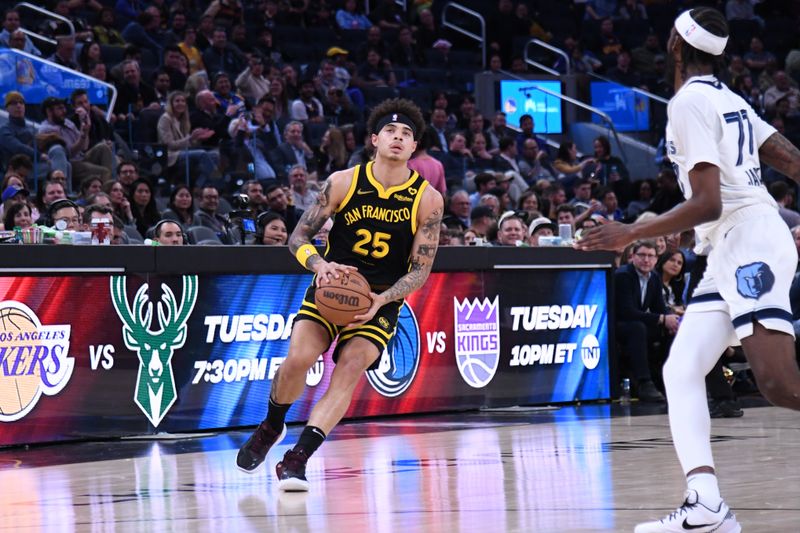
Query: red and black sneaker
[252, 454]
[292, 472]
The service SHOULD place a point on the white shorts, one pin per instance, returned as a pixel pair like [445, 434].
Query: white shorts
[750, 269]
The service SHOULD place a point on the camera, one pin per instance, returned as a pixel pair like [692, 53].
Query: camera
[241, 217]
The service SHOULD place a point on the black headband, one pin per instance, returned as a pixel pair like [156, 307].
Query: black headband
[395, 117]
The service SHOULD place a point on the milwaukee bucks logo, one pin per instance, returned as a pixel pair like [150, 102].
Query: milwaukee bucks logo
[155, 384]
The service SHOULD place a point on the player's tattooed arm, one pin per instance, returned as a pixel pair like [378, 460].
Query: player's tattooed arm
[426, 243]
[312, 221]
[779, 153]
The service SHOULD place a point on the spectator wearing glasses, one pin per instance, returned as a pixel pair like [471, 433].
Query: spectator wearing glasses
[642, 315]
[65, 215]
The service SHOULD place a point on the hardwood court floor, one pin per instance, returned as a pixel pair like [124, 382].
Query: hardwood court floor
[588, 468]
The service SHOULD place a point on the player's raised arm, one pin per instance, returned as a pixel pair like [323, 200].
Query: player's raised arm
[779, 153]
[333, 192]
[423, 251]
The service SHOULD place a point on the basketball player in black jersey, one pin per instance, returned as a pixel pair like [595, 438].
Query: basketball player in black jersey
[386, 226]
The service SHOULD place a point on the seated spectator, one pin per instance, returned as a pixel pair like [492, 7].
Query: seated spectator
[168, 233]
[207, 214]
[255, 195]
[271, 229]
[17, 215]
[540, 227]
[252, 83]
[497, 131]
[623, 71]
[529, 202]
[668, 193]
[65, 215]
[526, 126]
[293, 151]
[332, 154]
[349, 18]
[98, 214]
[11, 24]
[105, 31]
[145, 32]
[143, 206]
[643, 197]
[511, 230]
[64, 54]
[303, 196]
[375, 72]
[506, 159]
[671, 268]
[785, 199]
[457, 158]
[221, 55]
[757, 58]
[226, 12]
[176, 66]
[459, 208]
[782, 88]
[491, 201]
[481, 220]
[134, 95]
[118, 194]
[307, 108]
[405, 53]
[426, 165]
[90, 53]
[17, 137]
[85, 159]
[208, 115]
[89, 187]
[228, 101]
[183, 143]
[480, 159]
[567, 165]
[609, 206]
[534, 165]
[180, 206]
[99, 128]
[642, 315]
[484, 182]
[277, 201]
[609, 170]
[192, 53]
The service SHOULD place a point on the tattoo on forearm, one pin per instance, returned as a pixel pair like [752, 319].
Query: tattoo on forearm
[779, 153]
[421, 260]
[312, 220]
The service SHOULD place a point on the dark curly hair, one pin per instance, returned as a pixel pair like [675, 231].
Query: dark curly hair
[397, 105]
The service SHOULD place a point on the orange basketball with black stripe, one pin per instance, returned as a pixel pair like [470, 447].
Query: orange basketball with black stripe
[342, 299]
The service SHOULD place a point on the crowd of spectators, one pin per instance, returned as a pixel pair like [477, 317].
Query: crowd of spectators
[254, 104]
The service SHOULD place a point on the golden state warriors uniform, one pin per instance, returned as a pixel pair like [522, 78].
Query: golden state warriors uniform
[373, 230]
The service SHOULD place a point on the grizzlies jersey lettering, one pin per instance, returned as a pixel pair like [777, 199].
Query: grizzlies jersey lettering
[374, 227]
[708, 123]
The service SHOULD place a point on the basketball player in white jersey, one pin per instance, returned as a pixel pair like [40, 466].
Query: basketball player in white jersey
[717, 142]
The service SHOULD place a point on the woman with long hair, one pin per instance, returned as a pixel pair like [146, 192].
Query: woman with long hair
[89, 187]
[271, 229]
[90, 54]
[567, 164]
[180, 206]
[183, 143]
[119, 201]
[332, 153]
[143, 205]
[277, 89]
[671, 266]
[529, 202]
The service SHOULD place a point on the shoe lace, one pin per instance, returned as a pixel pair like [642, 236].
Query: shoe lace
[683, 509]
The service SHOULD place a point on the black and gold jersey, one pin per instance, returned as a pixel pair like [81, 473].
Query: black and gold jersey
[374, 227]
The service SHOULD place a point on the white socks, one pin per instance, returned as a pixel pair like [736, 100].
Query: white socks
[707, 489]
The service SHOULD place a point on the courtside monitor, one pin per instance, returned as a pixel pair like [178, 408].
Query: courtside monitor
[629, 110]
[519, 98]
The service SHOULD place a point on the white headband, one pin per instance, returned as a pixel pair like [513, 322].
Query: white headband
[698, 36]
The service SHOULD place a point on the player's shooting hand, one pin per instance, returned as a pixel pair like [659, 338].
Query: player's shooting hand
[613, 236]
[327, 271]
[377, 302]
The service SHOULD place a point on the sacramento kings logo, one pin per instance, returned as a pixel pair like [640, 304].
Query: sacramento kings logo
[400, 360]
[477, 329]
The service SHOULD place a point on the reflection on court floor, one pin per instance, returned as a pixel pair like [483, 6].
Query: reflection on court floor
[571, 469]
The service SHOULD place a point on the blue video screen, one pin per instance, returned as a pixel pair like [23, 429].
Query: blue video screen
[629, 110]
[519, 98]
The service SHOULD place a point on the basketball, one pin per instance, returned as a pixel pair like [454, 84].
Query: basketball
[343, 298]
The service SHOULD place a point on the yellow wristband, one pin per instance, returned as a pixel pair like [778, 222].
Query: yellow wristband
[304, 253]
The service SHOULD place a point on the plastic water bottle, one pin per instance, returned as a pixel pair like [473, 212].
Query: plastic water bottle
[625, 397]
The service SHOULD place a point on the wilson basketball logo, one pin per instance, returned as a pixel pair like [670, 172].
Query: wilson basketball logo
[34, 360]
[342, 299]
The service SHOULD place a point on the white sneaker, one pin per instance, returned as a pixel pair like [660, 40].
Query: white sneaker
[694, 516]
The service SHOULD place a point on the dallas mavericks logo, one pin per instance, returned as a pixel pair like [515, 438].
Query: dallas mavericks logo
[400, 360]
[754, 280]
[477, 329]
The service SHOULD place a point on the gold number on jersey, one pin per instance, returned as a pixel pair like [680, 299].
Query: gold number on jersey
[378, 242]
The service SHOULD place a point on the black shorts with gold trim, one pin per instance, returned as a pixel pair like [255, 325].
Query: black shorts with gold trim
[379, 330]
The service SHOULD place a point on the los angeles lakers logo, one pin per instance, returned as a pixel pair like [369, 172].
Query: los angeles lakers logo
[34, 360]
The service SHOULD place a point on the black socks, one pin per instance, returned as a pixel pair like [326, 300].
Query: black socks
[310, 439]
[276, 414]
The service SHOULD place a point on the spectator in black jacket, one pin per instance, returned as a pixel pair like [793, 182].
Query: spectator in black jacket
[278, 202]
[221, 56]
[641, 315]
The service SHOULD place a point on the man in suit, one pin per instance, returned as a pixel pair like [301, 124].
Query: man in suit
[293, 151]
[641, 314]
